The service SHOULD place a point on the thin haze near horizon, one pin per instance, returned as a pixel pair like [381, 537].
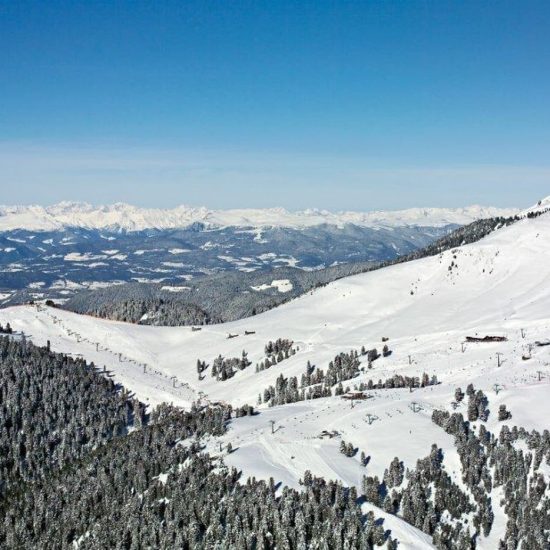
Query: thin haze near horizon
[334, 105]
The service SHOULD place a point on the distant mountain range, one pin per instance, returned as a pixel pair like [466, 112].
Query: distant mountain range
[125, 217]
[56, 252]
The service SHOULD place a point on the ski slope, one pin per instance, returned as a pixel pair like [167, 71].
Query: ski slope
[497, 286]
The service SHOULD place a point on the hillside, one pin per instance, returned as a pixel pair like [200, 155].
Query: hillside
[426, 308]
[40, 265]
[59, 251]
[230, 296]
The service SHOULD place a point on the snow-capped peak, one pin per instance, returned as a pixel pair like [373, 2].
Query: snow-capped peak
[126, 217]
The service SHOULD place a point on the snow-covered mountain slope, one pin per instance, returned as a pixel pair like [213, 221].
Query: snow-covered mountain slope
[131, 218]
[497, 286]
[498, 282]
[58, 264]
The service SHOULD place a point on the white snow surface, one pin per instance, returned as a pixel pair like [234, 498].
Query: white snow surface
[282, 285]
[497, 286]
[131, 218]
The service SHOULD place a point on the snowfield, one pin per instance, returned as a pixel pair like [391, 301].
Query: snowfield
[282, 285]
[426, 308]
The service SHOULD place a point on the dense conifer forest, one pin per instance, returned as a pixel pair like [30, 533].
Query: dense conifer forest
[83, 464]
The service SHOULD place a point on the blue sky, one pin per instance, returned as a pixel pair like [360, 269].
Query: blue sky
[339, 105]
